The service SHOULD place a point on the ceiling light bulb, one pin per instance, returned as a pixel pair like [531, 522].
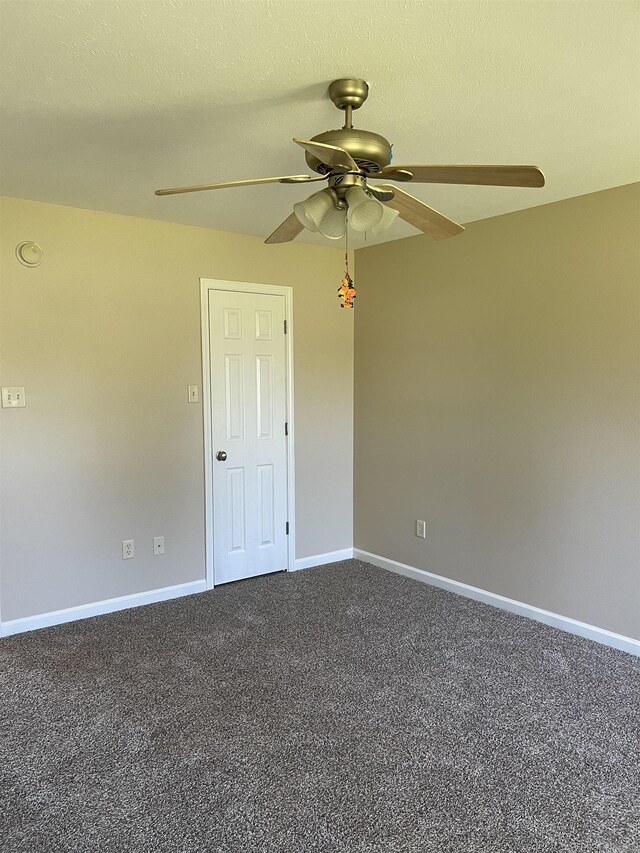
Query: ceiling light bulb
[365, 211]
[312, 211]
[389, 216]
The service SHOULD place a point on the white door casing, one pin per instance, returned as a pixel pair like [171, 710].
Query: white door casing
[247, 400]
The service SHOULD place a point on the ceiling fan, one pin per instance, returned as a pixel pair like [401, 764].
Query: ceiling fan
[348, 159]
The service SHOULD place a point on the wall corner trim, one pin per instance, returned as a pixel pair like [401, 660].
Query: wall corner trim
[555, 620]
[98, 608]
[323, 559]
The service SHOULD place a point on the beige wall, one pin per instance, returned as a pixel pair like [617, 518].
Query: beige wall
[105, 337]
[497, 397]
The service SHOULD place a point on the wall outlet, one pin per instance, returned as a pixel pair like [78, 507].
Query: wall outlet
[158, 545]
[13, 397]
[127, 549]
[421, 529]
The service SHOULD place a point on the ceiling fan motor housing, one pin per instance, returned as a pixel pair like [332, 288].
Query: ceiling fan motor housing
[371, 151]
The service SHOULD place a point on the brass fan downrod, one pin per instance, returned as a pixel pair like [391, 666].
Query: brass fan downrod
[348, 95]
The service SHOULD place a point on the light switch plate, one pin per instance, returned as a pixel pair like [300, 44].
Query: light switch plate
[192, 394]
[13, 397]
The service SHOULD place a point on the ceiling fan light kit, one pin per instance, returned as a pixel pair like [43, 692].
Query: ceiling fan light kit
[348, 159]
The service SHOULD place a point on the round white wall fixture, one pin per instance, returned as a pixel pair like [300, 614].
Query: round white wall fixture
[29, 254]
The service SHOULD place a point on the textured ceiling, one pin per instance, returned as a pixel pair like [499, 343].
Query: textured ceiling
[102, 102]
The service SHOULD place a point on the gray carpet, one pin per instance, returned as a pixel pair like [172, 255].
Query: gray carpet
[336, 709]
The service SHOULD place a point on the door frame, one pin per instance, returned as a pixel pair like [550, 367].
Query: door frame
[206, 286]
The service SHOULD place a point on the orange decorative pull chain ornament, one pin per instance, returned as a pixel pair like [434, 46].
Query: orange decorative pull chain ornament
[347, 292]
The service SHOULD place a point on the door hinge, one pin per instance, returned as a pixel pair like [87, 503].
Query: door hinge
[287, 528]
[286, 428]
[285, 327]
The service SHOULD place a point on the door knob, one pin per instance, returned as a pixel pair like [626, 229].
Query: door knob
[221, 456]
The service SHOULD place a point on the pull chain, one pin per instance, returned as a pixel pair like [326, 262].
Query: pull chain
[347, 291]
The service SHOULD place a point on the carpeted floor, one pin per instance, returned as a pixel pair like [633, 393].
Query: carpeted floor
[342, 709]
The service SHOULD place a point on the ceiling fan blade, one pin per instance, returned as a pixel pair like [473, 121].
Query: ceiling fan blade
[497, 176]
[421, 216]
[286, 231]
[287, 179]
[333, 156]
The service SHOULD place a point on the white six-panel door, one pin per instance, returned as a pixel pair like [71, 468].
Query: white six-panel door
[249, 446]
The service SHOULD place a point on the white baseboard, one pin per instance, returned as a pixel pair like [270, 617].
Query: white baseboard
[565, 623]
[98, 608]
[323, 559]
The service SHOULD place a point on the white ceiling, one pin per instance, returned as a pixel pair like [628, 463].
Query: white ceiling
[102, 102]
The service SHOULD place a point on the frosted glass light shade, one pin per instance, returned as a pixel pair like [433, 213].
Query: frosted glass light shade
[314, 209]
[334, 224]
[364, 210]
[389, 216]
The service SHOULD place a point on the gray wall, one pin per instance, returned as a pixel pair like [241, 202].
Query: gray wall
[497, 397]
[105, 337]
